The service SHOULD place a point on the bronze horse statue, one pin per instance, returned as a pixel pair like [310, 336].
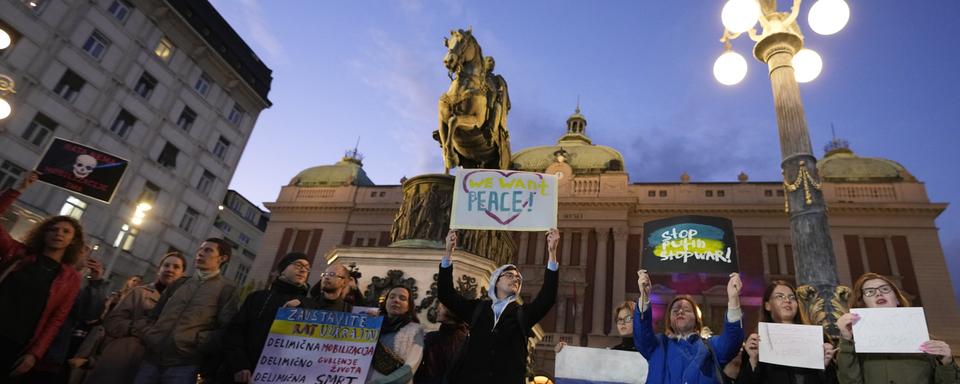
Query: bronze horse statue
[473, 112]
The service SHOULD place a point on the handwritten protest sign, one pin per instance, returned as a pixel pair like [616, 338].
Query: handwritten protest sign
[504, 200]
[309, 346]
[890, 330]
[793, 345]
[81, 169]
[578, 365]
[702, 244]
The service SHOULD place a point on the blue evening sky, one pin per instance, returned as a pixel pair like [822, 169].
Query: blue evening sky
[372, 70]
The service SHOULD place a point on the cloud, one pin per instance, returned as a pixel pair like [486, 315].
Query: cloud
[260, 33]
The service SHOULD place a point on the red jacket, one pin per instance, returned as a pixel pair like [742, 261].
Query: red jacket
[63, 291]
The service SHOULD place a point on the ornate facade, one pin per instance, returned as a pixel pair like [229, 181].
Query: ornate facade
[881, 221]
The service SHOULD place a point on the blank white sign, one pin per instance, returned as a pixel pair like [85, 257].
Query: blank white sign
[793, 345]
[579, 364]
[890, 330]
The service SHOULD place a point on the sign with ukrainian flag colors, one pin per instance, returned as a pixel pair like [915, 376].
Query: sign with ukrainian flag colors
[311, 346]
[698, 244]
[504, 200]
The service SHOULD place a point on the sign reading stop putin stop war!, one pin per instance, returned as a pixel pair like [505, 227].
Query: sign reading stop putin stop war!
[504, 200]
[81, 169]
[319, 347]
[699, 244]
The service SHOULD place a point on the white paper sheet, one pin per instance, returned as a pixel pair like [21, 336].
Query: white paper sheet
[890, 330]
[792, 345]
[580, 364]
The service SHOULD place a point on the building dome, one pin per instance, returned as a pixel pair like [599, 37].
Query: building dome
[576, 148]
[347, 171]
[842, 165]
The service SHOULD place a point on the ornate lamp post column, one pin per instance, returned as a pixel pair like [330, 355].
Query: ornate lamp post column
[780, 46]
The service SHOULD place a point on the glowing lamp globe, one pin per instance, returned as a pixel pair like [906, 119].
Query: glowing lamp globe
[730, 68]
[807, 65]
[4, 109]
[828, 16]
[4, 39]
[739, 16]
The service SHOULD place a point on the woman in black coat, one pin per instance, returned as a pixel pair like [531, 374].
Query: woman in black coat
[249, 329]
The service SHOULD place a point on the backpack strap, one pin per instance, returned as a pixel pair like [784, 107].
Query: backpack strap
[715, 358]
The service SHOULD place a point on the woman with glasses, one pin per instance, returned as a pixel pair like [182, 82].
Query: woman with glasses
[624, 316]
[249, 328]
[934, 365]
[780, 306]
[680, 355]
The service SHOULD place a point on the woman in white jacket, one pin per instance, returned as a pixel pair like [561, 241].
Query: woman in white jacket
[400, 347]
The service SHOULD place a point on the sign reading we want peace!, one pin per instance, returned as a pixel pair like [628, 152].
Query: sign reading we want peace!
[490, 199]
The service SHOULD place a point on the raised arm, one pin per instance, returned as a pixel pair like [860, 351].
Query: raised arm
[728, 343]
[9, 246]
[448, 296]
[644, 338]
[537, 309]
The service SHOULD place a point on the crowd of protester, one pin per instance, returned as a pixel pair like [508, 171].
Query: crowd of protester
[61, 325]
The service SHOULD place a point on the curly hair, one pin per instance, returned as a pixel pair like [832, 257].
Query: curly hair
[36, 240]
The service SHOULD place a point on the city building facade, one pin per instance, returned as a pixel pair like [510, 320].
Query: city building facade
[167, 85]
[241, 223]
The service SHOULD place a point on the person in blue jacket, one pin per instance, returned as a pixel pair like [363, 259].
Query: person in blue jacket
[680, 355]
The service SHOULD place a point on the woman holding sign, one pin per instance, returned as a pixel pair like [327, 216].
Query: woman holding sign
[780, 306]
[400, 347]
[935, 365]
[38, 285]
[680, 355]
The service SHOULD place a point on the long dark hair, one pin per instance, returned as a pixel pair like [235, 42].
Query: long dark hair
[767, 317]
[411, 308]
[36, 239]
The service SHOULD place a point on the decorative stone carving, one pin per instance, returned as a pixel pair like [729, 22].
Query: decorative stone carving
[394, 278]
[466, 287]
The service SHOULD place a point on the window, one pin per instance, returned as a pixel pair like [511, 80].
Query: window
[244, 239]
[779, 193]
[202, 86]
[9, 174]
[149, 194]
[164, 49]
[223, 225]
[69, 85]
[651, 193]
[382, 194]
[241, 276]
[373, 194]
[189, 219]
[206, 182]
[708, 193]
[168, 156]
[721, 193]
[96, 45]
[120, 9]
[768, 193]
[122, 124]
[236, 114]
[186, 119]
[39, 130]
[220, 148]
[145, 85]
[73, 207]
[663, 193]
[125, 237]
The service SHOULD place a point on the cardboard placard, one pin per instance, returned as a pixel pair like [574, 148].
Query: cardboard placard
[504, 200]
[81, 169]
[696, 244]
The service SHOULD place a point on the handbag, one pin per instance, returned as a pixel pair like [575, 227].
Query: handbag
[385, 360]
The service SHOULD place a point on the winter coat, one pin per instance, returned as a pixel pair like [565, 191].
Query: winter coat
[191, 317]
[63, 290]
[406, 343]
[896, 368]
[773, 373]
[672, 360]
[250, 327]
[122, 350]
[440, 349]
[497, 349]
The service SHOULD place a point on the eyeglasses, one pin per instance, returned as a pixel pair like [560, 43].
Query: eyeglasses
[512, 276]
[301, 266]
[625, 320]
[331, 275]
[782, 297]
[884, 289]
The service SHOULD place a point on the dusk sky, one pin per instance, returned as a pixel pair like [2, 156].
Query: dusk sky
[642, 69]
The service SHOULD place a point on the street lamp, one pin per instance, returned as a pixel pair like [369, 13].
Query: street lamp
[7, 87]
[139, 214]
[780, 46]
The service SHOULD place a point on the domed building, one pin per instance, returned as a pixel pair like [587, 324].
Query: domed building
[881, 221]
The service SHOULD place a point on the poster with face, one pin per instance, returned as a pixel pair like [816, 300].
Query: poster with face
[81, 169]
[697, 244]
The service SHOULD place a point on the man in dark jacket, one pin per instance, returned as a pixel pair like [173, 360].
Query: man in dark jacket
[497, 349]
[249, 329]
[329, 291]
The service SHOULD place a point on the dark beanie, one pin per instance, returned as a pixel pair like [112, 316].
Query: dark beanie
[290, 258]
